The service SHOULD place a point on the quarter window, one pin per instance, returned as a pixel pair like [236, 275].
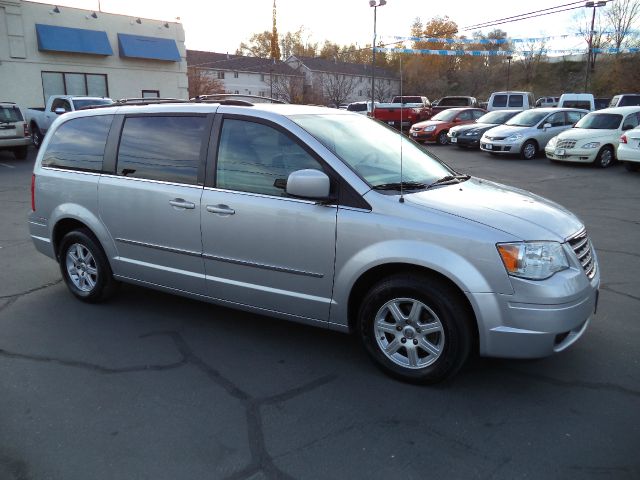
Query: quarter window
[163, 148]
[256, 158]
[79, 144]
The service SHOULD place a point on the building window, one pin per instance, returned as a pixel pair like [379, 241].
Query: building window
[262, 94]
[72, 83]
[150, 93]
[235, 74]
[262, 77]
[236, 92]
[388, 82]
[359, 93]
[220, 75]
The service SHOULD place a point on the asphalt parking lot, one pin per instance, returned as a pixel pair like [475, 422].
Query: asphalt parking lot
[153, 386]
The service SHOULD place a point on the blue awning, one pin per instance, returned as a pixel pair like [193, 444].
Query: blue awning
[137, 46]
[74, 40]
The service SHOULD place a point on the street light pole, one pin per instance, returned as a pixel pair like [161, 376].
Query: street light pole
[509, 58]
[375, 4]
[590, 56]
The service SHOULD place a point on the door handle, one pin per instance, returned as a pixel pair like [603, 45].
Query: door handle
[221, 209]
[182, 203]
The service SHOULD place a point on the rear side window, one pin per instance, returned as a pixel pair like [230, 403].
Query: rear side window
[586, 104]
[165, 148]
[515, 100]
[79, 144]
[500, 101]
[10, 114]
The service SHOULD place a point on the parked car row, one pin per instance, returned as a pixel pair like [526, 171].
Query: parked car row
[563, 134]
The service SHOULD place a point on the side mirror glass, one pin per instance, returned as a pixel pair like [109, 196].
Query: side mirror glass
[308, 183]
[59, 111]
[546, 125]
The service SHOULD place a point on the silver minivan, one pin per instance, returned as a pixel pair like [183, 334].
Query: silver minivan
[315, 216]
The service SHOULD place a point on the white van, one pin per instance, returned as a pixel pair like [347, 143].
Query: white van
[511, 101]
[577, 100]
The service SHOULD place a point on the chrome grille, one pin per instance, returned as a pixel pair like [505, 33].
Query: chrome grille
[566, 144]
[581, 245]
[495, 138]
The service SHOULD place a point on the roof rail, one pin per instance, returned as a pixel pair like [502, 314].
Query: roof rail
[238, 97]
[148, 101]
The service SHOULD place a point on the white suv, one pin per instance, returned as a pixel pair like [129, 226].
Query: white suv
[14, 133]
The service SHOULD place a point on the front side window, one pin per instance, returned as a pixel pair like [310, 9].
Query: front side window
[476, 114]
[60, 103]
[574, 117]
[256, 158]
[556, 120]
[79, 144]
[165, 148]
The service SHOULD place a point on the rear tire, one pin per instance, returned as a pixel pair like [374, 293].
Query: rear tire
[85, 268]
[20, 152]
[605, 157]
[415, 328]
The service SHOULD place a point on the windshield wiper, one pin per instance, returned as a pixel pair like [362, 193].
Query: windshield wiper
[449, 179]
[398, 185]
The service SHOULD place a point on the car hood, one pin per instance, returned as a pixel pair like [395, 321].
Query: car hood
[511, 210]
[428, 123]
[480, 127]
[591, 134]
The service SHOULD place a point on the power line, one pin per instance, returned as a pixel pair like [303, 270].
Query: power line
[526, 18]
[481, 25]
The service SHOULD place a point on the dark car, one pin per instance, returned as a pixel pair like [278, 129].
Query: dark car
[601, 103]
[469, 135]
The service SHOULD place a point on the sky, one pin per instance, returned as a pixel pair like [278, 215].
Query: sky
[220, 26]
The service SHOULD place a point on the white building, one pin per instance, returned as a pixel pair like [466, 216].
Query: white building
[331, 81]
[47, 50]
[244, 75]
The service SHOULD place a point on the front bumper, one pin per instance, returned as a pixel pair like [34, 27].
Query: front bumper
[424, 136]
[465, 141]
[521, 326]
[499, 146]
[576, 155]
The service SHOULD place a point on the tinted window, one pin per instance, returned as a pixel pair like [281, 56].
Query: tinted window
[556, 120]
[161, 148]
[631, 121]
[454, 102]
[256, 158]
[79, 144]
[476, 114]
[629, 101]
[10, 114]
[357, 107]
[586, 104]
[60, 103]
[515, 100]
[89, 103]
[500, 101]
[464, 116]
[600, 121]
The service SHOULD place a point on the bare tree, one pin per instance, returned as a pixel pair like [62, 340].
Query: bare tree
[202, 82]
[288, 88]
[337, 87]
[598, 38]
[532, 54]
[621, 15]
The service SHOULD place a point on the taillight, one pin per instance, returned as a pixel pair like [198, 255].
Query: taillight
[623, 139]
[26, 130]
[33, 193]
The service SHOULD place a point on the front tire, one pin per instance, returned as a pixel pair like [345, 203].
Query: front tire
[605, 157]
[415, 328]
[529, 150]
[85, 268]
[442, 139]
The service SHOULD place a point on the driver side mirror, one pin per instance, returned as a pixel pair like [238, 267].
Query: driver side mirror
[309, 183]
[59, 111]
[546, 125]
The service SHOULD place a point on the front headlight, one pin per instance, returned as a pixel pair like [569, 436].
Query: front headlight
[552, 142]
[471, 132]
[515, 137]
[533, 260]
[591, 145]
[430, 128]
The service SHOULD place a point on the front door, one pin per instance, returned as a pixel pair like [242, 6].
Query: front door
[262, 248]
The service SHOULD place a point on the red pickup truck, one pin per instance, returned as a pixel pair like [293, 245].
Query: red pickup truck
[403, 110]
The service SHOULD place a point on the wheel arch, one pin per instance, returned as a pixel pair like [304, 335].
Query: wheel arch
[370, 277]
[82, 219]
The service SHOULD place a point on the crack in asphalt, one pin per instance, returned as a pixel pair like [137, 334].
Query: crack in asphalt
[619, 251]
[597, 386]
[613, 290]
[261, 461]
[16, 296]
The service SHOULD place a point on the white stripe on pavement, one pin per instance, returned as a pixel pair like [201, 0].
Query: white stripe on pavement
[8, 166]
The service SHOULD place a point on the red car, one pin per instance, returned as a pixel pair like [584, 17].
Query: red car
[435, 129]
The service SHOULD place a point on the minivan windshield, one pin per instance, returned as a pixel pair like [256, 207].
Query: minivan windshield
[497, 117]
[372, 150]
[600, 121]
[527, 119]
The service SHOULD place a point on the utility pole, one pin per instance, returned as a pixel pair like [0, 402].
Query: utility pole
[591, 58]
[375, 4]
